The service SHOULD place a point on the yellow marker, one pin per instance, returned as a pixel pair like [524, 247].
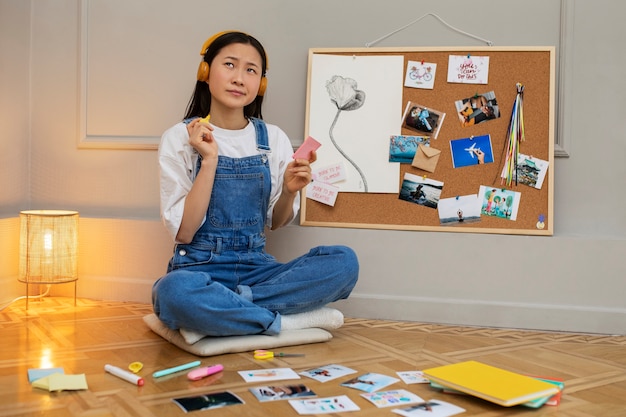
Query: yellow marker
[205, 119]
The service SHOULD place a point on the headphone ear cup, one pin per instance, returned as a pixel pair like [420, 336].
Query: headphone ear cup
[262, 86]
[203, 71]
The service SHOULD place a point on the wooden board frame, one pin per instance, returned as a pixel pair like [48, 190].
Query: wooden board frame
[532, 66]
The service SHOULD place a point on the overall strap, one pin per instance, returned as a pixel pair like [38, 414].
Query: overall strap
[262, 140]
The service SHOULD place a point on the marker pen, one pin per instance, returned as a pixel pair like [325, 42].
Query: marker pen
[203, 372]
[168, 371]
[125, 375]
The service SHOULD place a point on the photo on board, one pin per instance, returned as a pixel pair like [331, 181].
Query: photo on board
[499, 202]
[477, 109]
[420, 190]
[459, 210]
[420, 75]
[402, 148]
[422, 119]
[529, 171]
[475, 150]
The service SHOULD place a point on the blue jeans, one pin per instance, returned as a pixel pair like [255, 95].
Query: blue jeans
[246, 292]
[223, 283]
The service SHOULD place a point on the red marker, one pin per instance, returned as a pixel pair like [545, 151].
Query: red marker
[200, 373]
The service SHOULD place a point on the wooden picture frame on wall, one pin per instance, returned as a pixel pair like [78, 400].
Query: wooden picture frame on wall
[531, 67]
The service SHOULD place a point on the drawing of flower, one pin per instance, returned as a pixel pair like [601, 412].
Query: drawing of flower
[344, 93]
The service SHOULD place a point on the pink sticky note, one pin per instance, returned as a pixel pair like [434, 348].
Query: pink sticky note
[304, 151]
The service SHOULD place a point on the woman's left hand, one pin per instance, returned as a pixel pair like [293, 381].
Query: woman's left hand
[298, 174]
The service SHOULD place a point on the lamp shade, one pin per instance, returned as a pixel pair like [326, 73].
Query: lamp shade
[48, 246]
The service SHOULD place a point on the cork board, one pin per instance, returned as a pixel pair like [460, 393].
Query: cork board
[532, 67]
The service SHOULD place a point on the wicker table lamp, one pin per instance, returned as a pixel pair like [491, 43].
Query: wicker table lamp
[48, 248]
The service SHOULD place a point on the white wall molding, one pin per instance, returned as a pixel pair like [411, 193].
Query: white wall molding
[486, 314]
[564, 85]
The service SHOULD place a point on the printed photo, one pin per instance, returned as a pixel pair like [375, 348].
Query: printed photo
[370, 382]
[328, 372]
[208, 401]
[281, 392]
[422, 119]
[499, 202]
[392, 398]
[529, 171]
[421, 190]
[432, 408]
[413, 377]
[420, 74]
[257, 375]
[329, 405]
[477, 109]
[459, 210]
[402, 148]
[475, 150]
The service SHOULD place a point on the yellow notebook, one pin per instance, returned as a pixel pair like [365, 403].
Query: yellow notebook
[490, 383]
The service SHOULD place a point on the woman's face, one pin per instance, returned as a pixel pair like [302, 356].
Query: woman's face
[235, 76]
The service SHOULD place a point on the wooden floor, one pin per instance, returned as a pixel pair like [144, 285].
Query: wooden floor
[82, 339]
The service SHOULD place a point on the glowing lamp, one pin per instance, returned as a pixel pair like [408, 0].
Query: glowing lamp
[48, 248]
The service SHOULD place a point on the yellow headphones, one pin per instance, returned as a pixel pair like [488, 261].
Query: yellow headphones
[203, 68]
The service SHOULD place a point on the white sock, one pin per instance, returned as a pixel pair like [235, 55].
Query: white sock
[323, 318]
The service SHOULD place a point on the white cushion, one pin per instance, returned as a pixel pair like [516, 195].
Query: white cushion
[211, 346]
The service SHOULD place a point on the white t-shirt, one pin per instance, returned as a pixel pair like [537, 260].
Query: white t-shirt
[177, 162]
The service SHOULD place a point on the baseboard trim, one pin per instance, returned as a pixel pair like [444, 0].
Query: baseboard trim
[459, 312]
[486, 314]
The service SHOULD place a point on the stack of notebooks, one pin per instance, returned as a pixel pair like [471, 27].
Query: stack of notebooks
[494, 384]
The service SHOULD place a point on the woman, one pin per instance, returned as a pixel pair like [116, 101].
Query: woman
[223, 183]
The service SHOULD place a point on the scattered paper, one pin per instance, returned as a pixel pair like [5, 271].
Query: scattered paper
[413, 377]
[370, 382]
[281, 392]
[329, 405]
[431, 408]
[208, 401]
[257, 375]
[392, 398]
[61, 382]
[38, 373]
[328, 372]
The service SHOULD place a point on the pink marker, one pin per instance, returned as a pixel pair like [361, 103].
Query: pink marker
[200, 373]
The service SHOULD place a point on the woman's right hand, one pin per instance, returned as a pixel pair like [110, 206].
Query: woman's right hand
[201, 138]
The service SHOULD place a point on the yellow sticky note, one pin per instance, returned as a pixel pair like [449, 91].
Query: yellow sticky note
[61, 382]
[42, 383]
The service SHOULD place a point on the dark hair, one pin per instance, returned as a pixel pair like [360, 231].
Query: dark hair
[200, 102]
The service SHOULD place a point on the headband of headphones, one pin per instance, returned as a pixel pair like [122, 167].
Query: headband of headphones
[203, 68]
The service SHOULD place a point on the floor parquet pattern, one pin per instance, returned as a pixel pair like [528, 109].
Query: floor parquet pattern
[82, 338]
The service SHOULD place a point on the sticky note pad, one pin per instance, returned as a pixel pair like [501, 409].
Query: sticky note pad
[304, 151]
[38, 373]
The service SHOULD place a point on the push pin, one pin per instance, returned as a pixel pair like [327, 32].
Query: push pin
[540, 223]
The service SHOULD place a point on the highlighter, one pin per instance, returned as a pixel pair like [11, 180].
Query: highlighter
[175, 369]
[203, 372]
[125, 375]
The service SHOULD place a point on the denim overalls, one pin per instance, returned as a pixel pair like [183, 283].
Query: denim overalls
[223, 283]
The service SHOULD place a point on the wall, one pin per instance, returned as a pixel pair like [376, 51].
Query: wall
[571, 281]
[14, 133]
